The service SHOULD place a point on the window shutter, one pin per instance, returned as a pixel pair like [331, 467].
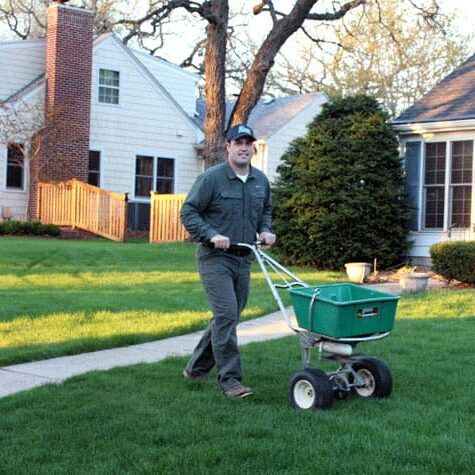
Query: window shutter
[412, 167]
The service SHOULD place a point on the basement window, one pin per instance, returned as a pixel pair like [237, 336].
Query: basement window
[94, 170]
[109, 82]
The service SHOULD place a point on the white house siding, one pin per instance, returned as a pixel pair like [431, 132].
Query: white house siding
[20, 63]
[180, 84]
[15, 200]
[146, 122]
[30, 107]
[296, 127]
[422, 240]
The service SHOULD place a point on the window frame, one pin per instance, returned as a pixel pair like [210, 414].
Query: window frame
[99, 171]
[164, 177]
[24, 168]
[426, 186]
[137, 156]
[453, 185]
[115, 88]
[155, 176]
[447, 185]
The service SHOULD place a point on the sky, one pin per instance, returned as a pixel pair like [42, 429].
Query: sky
[176, 51]
[464, 9]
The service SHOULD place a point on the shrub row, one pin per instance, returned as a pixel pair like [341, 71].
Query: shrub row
[30, 228]
[454, 260]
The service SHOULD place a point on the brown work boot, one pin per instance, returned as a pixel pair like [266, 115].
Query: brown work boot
[238, 392]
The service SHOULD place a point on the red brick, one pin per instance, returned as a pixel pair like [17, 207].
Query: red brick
[65, 145]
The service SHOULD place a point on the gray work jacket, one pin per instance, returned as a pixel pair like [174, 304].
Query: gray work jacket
[220, 203]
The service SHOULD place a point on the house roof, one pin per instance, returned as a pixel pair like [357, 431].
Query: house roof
[269, 115]
[135, 57]
[31, 86]
[149, 75]
[453, 98]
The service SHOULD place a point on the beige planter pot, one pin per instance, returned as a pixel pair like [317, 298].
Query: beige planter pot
[357, 271]
[414, 282]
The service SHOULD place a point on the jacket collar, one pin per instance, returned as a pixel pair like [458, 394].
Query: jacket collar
[232, 174]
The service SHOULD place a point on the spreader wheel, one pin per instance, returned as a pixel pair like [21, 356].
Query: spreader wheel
[373, 378]
[310, 388]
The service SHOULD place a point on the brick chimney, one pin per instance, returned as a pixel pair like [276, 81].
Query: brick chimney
[64, 149]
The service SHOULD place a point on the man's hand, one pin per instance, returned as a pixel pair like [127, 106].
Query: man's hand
[267, 238]
[220, 242]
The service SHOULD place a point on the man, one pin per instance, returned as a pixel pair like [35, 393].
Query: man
[229, 203]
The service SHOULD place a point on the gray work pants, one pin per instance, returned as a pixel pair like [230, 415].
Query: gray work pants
[226, 281]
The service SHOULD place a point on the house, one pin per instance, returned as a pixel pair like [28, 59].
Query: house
[437, 136]
[114, 117]
[276, 122]
[93, 109]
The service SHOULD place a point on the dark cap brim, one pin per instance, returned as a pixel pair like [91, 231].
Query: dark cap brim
[240, 136]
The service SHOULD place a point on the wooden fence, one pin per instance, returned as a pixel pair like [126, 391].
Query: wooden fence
[165, 224]
[77, 204]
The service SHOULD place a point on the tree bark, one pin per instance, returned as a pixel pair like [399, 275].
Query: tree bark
[255, 81]
[215, 63]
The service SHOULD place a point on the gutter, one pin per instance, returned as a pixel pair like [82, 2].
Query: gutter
[438, 126]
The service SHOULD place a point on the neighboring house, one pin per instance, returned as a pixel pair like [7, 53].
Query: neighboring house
[437, 138]
[276, 122]
[124, 118]
[113, 117]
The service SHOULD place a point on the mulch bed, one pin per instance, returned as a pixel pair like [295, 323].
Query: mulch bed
[383, 277]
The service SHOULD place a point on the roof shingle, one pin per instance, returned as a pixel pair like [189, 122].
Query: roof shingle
[453, 98]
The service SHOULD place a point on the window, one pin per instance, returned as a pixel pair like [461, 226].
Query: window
[461, 183]
[108, 86]
[94, 171]
[143, 176]
[448, 184]
[411, 166]
[15, 166]
[165, 175]
[154, 174]
[434, 185]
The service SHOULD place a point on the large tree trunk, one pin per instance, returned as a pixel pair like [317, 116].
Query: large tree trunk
[215, 62]
[256, 78]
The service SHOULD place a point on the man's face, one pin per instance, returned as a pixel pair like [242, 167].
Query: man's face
[240, 151]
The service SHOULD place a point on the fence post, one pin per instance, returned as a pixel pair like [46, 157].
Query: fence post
[124, 217]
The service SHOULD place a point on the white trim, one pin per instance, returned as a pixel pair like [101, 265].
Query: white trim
[155, 157]
[70, 7]
[23, 188]
[164, 62]
[21, 44]
[442, 126]
[174, 170]
[16, 98]
[448, 141]
[97, 85]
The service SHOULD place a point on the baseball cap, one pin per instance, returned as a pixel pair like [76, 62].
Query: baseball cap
[239, 131]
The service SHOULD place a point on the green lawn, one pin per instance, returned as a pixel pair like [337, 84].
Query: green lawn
[63, 297]
[146, 419]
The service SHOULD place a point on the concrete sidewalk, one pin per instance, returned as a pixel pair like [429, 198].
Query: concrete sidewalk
[21, 377]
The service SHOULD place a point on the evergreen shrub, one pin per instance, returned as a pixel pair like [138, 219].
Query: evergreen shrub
[30, 228]
[454, 260]
[340, 193]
